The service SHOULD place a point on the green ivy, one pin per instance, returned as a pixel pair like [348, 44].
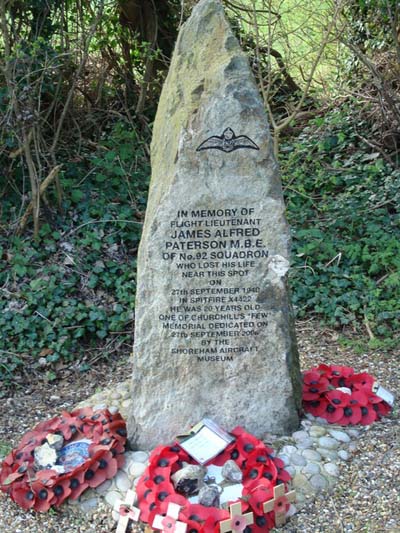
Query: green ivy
[342, 203]
[74, 290]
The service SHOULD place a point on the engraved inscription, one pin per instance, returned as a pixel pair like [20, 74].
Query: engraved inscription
[218, 317]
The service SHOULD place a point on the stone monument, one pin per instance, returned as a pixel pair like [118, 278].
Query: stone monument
[214, 335]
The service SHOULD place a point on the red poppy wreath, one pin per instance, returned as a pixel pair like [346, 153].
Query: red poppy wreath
[342, 397]
[261, 471]
[38, 487]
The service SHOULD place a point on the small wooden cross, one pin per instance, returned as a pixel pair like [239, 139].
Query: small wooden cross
[127, 511]
[238, 521]
[278, 503]
[169, 523]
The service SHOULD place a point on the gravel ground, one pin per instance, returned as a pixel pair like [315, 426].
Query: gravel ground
[366, 499]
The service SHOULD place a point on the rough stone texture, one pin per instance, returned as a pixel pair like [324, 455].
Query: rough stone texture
[210, 90]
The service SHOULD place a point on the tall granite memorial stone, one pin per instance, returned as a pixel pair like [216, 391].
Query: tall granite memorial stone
[214, 334]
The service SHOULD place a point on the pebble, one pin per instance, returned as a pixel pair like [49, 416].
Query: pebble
[329, 454]
[99, 407]
[339, 435]
[311, 468]
[321, 421]
[299, 481]
[122, 481]
[290, 470]
[329, 443]
[104, 487]
[317, 431]
[311, 455]
[332, 469]
[297, 460]
[288, 449]
[353, 433]
[318, 482]
[300, 435]
[90, 505]
[139, 457]
[113, 409]
[112, 498]
[306, 443]
[137, 469]
[343, 454]
[285, 458]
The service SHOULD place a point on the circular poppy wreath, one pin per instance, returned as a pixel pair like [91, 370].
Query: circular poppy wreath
[261, 472]
[40, 489]
[325, 395]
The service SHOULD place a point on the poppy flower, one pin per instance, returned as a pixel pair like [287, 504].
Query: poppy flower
[337, 398]
[245, 444]
[77, 482]
[315, 407]
[362, 381]
[257, 493]
[62, 490]
[23, 495]
[381, 408]
[314, 385]
[44, 496]
[332, 414]
[263, 523]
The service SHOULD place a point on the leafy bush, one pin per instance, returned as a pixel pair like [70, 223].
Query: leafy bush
[74, 290]
[343, 203]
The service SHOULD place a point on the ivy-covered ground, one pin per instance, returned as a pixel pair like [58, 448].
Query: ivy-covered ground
[68, 299]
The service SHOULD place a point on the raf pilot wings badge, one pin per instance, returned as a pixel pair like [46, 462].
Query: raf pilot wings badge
[227, 142]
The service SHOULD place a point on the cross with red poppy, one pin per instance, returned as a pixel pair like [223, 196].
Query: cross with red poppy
[127, 511]
[278, 503]
[170, 523]
[238, 521]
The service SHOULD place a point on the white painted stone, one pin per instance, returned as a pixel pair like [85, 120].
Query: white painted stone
[353, 432]
[306, 443]
[200, 173]
[89, 506]
[122, 481]
[299, 436]
[140, 457]
[113, 409]
[353, 446]
[297, 459]
[317, 431]
[332, 469]
[99, 407]
[339, 435]
[288, 450]
[291, 470]
[311, 455]
[318, 482]
[321, 421]
[311, 469]
[329, 443]
[344, 455]
[137, 470]
[112, 497]
[329, 454]
[285, 458]
[104, 487]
